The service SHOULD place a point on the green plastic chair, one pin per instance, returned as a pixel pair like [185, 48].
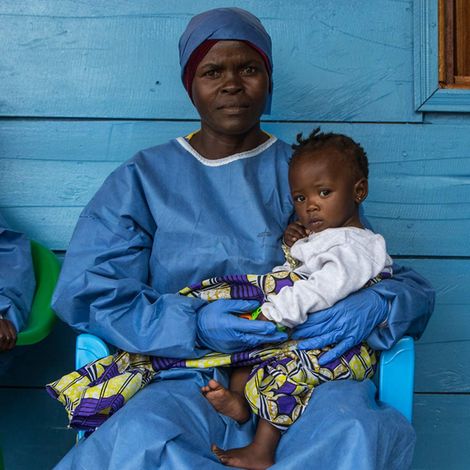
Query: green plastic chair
[42, 317]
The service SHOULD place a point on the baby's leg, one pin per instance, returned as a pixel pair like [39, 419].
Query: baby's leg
[230, 402]
[258, 455]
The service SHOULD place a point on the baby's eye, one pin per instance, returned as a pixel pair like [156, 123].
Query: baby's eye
[324, 192]
[299, 198]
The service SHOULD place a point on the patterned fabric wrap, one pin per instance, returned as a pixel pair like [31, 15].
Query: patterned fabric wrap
[279, 386]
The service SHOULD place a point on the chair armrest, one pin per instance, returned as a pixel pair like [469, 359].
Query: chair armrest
[42, 317]
[88, 349]
[396, 376]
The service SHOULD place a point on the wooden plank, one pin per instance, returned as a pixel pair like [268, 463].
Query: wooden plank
[33, 429]
[51, 183]
[442, 353]
[51, 226]
[427, 147]
[442, 425]
[442, 360]
[85, 140]
[84, 60]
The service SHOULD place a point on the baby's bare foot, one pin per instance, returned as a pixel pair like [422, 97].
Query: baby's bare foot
[251, 457]
[225, 401]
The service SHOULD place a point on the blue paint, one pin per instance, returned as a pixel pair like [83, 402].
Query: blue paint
[84, 87]
[86, 61]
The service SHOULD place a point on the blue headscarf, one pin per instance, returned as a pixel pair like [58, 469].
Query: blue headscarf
[226, 24]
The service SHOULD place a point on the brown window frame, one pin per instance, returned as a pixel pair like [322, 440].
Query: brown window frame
[454, 43]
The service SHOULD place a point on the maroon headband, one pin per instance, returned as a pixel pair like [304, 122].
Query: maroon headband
[201, 51]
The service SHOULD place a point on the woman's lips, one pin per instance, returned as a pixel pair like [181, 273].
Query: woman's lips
[234, 107]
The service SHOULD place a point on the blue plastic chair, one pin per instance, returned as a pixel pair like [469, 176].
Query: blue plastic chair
[395, 374]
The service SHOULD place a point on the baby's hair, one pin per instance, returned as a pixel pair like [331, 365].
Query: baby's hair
[319, 140]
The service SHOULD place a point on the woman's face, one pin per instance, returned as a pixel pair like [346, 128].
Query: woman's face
[230, 88]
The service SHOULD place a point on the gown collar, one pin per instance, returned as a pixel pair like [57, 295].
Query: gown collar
[183, 141]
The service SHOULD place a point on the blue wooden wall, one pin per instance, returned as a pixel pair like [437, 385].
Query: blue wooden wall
[83, 85]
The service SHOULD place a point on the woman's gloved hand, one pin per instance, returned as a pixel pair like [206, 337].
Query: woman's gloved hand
[220, 331]
[345, 324]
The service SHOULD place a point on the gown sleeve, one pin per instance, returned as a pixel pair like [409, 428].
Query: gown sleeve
[411, 302]
[105, 286]
[16, 276]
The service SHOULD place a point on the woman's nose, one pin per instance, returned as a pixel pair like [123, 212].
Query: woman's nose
[232, 83]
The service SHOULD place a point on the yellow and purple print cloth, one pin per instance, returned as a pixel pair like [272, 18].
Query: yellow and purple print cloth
[278, 389]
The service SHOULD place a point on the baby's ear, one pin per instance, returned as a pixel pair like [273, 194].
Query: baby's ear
[361, 189]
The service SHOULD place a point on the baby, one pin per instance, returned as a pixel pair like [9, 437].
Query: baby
[330, 250]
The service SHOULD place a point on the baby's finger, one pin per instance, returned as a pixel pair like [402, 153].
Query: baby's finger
[301, 229]
[294, 233]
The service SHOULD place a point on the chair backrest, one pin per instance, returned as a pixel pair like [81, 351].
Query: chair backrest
[42, 317]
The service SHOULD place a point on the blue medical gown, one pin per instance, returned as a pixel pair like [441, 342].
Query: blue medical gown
[168, 218]
[16, 276]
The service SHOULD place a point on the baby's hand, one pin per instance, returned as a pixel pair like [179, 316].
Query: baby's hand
[261, 317]
[294, 231]
[254, 315]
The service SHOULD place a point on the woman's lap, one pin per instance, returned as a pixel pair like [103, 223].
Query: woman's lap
[170, 424]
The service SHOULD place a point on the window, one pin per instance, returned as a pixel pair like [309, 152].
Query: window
[454, 43]
[441, 85]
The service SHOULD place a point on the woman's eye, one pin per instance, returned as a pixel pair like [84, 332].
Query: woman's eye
[324, 192]
[299, 198]
[213, 73]
[248, 70]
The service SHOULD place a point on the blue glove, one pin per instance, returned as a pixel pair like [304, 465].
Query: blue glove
[345, 324]
[220, 331]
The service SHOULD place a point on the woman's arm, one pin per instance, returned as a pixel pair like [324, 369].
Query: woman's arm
[104, 287]
[411, 301]
[380, 314]
[16, 277]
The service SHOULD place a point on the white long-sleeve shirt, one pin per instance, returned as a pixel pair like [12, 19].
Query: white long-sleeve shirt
[336, 262]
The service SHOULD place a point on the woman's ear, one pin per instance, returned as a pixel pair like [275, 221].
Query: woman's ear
[361, 189]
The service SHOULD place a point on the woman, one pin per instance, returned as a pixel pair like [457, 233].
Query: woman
[215, 203]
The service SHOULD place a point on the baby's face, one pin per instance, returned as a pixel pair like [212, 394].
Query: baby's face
[325, 192]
